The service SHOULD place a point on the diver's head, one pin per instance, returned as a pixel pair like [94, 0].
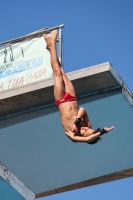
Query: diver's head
[86, 131]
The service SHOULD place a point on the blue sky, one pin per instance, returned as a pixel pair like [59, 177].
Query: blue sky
[95, 32]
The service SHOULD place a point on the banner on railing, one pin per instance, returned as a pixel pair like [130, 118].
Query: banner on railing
[24, 63]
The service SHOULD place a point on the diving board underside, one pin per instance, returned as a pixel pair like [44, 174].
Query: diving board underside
[50, 163]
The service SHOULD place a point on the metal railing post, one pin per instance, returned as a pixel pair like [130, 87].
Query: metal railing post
[60, 46]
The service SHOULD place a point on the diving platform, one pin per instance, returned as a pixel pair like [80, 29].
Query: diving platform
[35, 149]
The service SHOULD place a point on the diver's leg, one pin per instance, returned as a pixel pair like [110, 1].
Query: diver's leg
[59, 87]
[68, 84]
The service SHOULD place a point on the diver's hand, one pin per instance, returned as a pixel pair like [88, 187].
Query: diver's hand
[74, 129]
[109, 129]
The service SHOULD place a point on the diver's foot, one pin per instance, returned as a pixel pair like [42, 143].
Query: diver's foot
[109, 129]
[50, 40]
[47, 39]
[53, 36]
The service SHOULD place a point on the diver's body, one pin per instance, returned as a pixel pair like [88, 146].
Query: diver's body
[66, 100]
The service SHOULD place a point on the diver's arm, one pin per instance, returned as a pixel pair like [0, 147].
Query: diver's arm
[80, 138]
[83, 114]
[85, 139]
[86, 120]
[79, 116]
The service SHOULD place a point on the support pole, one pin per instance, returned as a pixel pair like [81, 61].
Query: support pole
[60, 46]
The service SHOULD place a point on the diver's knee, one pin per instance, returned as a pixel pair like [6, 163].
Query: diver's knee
[57, 71]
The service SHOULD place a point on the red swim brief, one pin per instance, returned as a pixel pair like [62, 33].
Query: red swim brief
[66, 97]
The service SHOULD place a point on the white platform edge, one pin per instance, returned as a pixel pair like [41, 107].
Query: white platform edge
[16, 183]
[125, 90]
[50, 82]
[72, 76]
